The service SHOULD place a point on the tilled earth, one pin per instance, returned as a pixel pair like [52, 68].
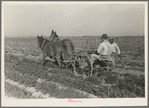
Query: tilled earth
[22, 67]
[103, 85]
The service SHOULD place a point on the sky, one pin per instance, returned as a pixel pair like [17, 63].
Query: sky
[73, 19]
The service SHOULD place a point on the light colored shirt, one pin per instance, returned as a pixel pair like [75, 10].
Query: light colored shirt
[114, 48]
[103, 48]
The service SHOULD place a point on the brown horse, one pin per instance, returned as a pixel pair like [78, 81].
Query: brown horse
[67, 43]
[51, 49]
[53, 36]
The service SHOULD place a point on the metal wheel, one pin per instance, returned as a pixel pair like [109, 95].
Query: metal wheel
[82, 64]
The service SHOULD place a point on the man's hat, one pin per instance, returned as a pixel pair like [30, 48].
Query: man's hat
[104, 36]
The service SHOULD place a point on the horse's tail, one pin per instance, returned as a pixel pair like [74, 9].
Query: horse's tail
[64, 52]
[71, 47]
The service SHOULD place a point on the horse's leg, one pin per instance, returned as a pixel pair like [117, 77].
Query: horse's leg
[66, 67]
[43, 58]
[64, 58]
[58, 59]
[59, 62]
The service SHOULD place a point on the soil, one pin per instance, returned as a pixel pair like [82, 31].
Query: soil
[118, 83]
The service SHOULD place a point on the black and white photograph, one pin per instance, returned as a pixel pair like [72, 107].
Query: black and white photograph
[89, 53]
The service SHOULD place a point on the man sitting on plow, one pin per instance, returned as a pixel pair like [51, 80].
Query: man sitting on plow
[104, 50]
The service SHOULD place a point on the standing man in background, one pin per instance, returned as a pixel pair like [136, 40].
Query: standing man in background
[113, 50]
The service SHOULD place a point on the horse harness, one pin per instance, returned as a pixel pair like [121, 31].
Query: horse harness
[58, 40]
[52, 59]
[43, 44]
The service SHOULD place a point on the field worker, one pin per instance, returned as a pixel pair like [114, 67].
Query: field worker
[102, 50]
[114, 49]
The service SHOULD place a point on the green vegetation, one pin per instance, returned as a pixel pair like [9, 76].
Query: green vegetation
[110, 84]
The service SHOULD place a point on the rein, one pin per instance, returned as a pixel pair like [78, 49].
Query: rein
[60, 43]
[52, 42]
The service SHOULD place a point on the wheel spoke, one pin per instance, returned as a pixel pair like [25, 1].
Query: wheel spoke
[82, 64]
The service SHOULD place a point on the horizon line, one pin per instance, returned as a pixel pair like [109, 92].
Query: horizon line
[77, 36]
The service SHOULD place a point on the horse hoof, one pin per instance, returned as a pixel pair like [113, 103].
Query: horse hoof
[43, 64]
[37, 63]
[84, 76]
[49, 69]
[75, 73]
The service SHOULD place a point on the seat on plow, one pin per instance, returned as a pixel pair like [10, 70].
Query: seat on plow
[104, 62]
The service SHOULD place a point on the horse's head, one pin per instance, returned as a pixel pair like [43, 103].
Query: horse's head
[53, 36]
[40, 40]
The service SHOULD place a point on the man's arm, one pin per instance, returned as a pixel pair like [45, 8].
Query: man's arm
[117, 48]
[100, 48]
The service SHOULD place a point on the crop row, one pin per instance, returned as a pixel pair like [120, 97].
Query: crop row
[119, 85]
